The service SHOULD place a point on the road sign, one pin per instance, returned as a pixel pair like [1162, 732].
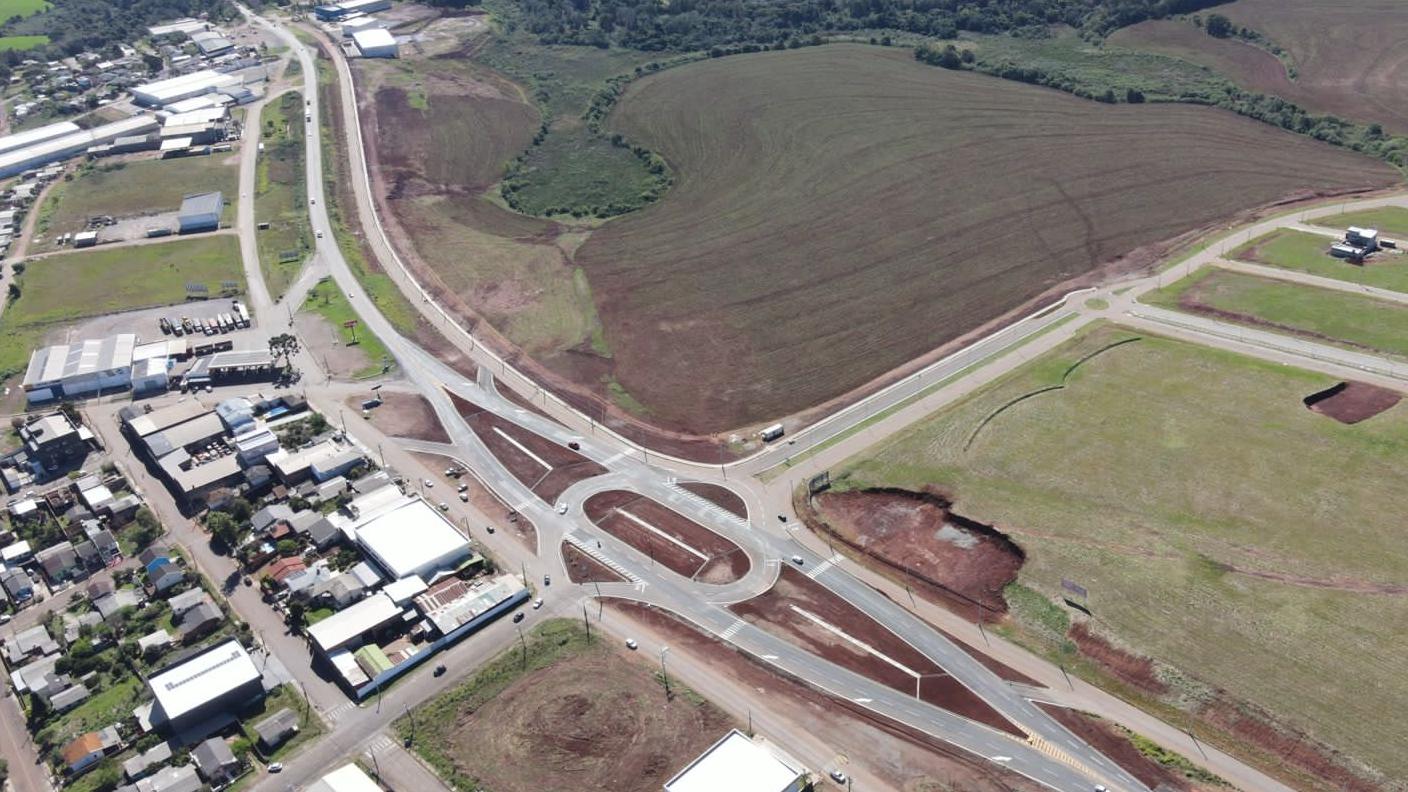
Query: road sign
[819, 482]
[1075, 588]
[350, 323]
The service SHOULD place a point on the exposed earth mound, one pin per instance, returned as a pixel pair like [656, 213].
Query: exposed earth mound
[1352, 402]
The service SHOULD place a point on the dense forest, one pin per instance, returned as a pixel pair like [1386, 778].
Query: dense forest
[683, 25]
[75, 26]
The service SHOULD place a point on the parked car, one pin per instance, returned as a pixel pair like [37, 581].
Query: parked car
[631, 644]
[518, 617]
[537, 603]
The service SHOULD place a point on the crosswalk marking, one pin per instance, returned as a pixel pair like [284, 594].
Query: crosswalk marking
[378, 744]
[714, 509]
[590, 549]
[817, 570]
[337, 713]
[733, 629]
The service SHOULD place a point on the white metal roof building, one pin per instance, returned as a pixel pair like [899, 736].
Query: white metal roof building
[352, 25]
[348, 778]
[375, 43]
[174, 89]
[74, 370]
[39, 135]
[22, 159]
[411, 537]
[221, 678]
[738, 764]
[351, 622]
[177, 27]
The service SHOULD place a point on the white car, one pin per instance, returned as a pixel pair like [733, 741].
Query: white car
[561, 508]
[429, 483]
[276, 767]
[464, 497]
[444, 506]
[537, 603]
[838, 776]
[631, 644]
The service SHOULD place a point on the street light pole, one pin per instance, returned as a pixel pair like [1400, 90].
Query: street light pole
[664, 675]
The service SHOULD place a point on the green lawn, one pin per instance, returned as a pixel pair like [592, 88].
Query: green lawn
[280, 197]
[1389, 219]
[1306, 252]
[23, 8]
[328, 301]
[1350, 319]
[68, 286]
[310, 727]
[137, 188]
[22, 42]
[1220, 526]
[109, 704]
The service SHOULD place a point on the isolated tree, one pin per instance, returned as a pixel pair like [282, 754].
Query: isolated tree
[1219, 26]
[285, 346]
[223, 528]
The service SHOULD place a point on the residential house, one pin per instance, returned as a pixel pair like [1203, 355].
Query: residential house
[323, 534]
[83, 752]
[172, 779]
[200, 621]
[54, 444]
[110, 605]
[215, 761]
[60, 562]
[154, 641]
[99, 588]
[282, 568]
[180, 603]
[88, 556]
[276, 729]
[18, 587]
[304, 582]
[165, 574]
[140, 765]
[69, 697]
[265, 518]
[106, 543]
[27, 644]
[152, 556]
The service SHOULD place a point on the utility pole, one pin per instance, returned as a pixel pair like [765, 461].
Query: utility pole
[663, 674]
[524, 643]
[586, 622]
[412, 739]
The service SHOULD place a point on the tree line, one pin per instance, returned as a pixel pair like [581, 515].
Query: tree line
[684, 25]
[75, 26]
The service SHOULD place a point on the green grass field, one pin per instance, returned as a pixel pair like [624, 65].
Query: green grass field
[69, 286]
[137, 188]
[328, 301]
[1335, 317]
[1392, 220]
[280, 197]
[1220, 526]
[1306, 252]
[22, 42]
[21, 8]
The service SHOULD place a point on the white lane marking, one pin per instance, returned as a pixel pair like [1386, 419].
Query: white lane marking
[589, 548]
[614, 458]
[862, 645]
[816, 571]
[732, 630]
[520, 447]
[662, 534]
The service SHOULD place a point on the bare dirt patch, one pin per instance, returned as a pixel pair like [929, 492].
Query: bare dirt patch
[1352, 402]
[593, 721]
[582, 568]
[404, 415]
[543, 466]
[719, 495]
[482, 498]
[322, 339]
[696, 552]
[1322, 767]
[1129, 668]
[1103, 737]
[959, 562]
[790, 610]
[898, 756]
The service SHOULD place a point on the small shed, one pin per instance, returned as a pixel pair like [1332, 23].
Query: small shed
[201, 212]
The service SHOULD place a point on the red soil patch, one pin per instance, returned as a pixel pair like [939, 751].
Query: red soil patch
[582, 568]
[716, 560]
[963, 564]
[482, 498]
[899, 757]
[1129, 668]
[565, 467]
[516, 398]
[1352, 402]
[777, 611]
[1105, 738]
[719, 495]
[404, 415]
[1292, 749]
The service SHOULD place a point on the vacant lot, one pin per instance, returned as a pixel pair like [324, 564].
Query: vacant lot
[1221, 528]
[349, 350]
[280, 197]
[1306, 252]
[807, 250]
[68, 286]
[677, 542]
[541, 465]
[1339, 318]
[565, 714]
[140, 187]
[1348, 55]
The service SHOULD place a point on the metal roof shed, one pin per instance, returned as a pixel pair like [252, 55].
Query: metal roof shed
[201, 212]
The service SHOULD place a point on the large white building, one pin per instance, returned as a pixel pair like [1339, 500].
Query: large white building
[219, 681]
[738, 764]
[38, 135]
[19, 160]
[67, 371]
[375, 43]
[175, 89]
[410, 537]
[348, 778]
